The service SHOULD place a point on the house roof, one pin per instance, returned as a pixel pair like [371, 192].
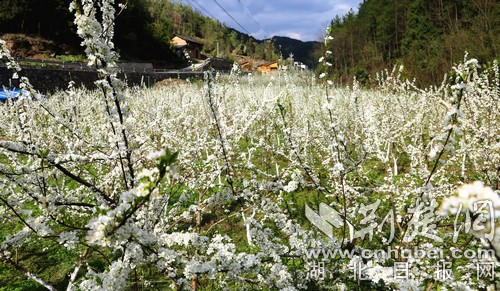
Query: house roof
[190, 39]
[268, 64]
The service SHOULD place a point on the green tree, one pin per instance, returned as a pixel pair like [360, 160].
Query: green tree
[12, 9]
[421, 43]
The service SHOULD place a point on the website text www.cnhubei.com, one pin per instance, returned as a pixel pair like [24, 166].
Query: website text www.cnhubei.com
[396, 253]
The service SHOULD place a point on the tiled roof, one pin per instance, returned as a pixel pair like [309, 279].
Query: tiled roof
[187, 38]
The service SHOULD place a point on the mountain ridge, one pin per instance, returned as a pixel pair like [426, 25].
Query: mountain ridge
[302, 51]
[143, 32]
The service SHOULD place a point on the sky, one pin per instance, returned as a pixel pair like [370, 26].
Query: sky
[300, 19]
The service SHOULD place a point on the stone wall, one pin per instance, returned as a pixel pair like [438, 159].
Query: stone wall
[52, 79]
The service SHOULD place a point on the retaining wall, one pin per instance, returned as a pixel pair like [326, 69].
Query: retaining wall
[51, 79]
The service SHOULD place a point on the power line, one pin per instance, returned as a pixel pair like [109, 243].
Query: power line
[223, 9]
[245, 8]
[198, 5]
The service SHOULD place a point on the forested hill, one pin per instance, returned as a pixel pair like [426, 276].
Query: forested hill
[143, 31]
[306, 52]
[427, 36]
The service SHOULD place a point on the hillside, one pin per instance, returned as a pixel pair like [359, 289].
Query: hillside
[143, 32]
[427, 37]
[305, 52]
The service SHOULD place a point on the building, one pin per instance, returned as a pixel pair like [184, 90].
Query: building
[191, 45]
[268, 67]
[218, 64]
[300, 66]
[246, 66]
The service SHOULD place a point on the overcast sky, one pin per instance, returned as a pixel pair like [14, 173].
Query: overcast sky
[299, 19]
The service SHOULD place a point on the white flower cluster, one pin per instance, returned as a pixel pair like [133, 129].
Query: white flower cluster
[87, 178]
[468, 197]
[11, 63]
[482, 207]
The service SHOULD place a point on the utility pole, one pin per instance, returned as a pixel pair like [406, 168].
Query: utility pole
[217, 49]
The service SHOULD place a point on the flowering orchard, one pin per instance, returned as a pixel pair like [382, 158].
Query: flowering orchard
[249, 182]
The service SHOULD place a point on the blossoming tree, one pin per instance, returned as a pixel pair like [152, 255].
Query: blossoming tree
[236, 182]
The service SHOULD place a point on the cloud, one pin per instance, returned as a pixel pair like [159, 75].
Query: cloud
[299, 19]
[293, 35]
[343, 7]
